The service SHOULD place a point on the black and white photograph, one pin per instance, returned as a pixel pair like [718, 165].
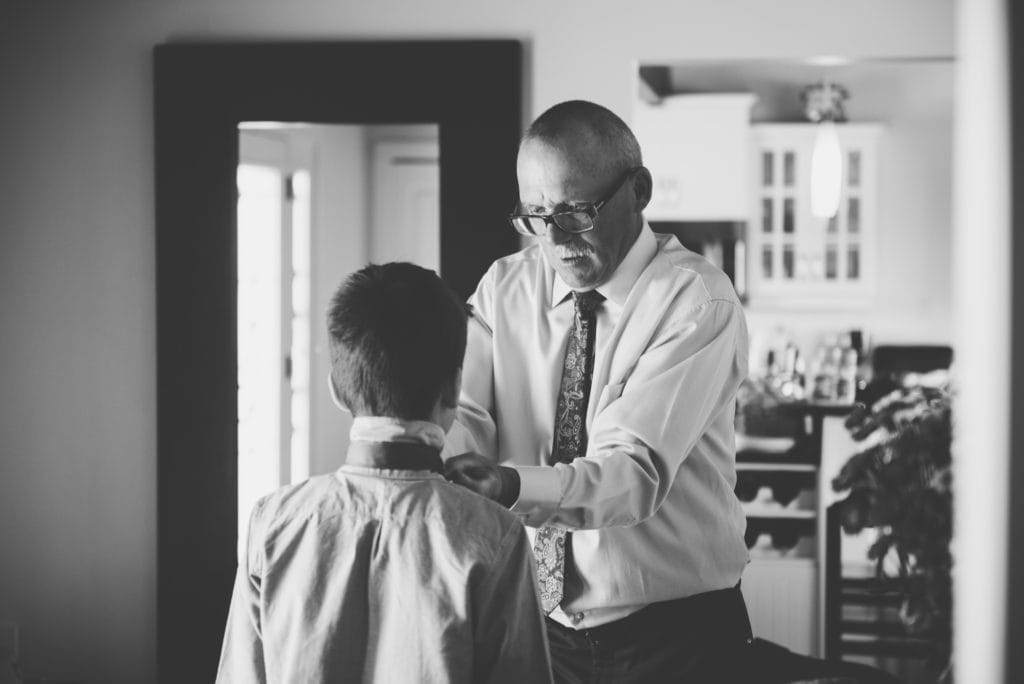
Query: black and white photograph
[529, 342]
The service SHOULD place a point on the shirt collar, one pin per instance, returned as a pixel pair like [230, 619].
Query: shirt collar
[394, 456]
[394, 444]
[385, 429]
[625, 276]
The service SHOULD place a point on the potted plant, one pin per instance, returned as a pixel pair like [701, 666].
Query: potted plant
[899, 484]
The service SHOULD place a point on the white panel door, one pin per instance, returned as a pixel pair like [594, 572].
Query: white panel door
[405, 208]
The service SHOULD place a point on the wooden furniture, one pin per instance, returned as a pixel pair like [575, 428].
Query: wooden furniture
[781, 484]
[861, 613]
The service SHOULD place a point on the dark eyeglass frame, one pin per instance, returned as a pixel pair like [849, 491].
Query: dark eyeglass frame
[585, 214]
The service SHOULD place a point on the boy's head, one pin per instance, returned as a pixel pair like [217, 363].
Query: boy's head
[397, 337]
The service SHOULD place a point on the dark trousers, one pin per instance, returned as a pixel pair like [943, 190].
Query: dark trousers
[692, 640]
[703, 639]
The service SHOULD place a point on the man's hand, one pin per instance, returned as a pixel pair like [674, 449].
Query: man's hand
[476, 473]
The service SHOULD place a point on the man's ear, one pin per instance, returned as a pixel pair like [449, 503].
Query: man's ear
[643, 188]
[335, 395]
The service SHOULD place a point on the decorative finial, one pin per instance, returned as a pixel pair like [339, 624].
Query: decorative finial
[824, 102]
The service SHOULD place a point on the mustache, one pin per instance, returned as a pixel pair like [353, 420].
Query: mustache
[573, 251]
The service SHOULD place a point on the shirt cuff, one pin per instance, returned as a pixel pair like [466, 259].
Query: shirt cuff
[540, 491]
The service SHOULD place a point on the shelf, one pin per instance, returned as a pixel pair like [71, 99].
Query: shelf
[777, 513]
[775, 466]
[780, 559]
[775, 445]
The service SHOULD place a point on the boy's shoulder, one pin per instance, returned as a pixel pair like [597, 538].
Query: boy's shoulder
[432, 500]
[478, 510]
[294, 500]
[476, 526]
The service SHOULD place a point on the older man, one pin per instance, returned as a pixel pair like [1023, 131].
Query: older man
[601, 373]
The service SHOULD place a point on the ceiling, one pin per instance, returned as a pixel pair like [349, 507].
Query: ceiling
[879, 90]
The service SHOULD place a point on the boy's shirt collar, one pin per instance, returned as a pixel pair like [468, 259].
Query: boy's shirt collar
[394, 444]
[408, 456]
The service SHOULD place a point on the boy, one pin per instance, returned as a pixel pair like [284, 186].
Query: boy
[383, 571]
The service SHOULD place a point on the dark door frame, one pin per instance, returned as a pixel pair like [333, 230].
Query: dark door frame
[1014, 633]
[471, 89]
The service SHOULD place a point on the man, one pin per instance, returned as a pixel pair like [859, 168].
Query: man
[383, 571]
[601, 371]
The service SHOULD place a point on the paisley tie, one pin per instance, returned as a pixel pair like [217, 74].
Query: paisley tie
[550, 543]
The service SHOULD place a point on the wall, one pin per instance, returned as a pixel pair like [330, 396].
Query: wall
[77, 304]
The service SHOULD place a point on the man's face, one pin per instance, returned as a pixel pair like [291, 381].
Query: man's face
[554, 178]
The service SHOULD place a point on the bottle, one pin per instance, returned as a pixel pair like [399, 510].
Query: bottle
[835, 364]
[846, 387]
[824, 374]
[787, 386]
[811, 378]
[799, 378]
[772, 368]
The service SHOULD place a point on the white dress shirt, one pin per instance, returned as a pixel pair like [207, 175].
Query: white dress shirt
[375, 574]
[652, 508]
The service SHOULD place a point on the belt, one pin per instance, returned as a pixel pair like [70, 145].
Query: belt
[713, 616]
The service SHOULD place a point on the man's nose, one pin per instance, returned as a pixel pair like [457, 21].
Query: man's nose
[555, 235]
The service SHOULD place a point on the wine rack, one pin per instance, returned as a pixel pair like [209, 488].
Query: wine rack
[779, 482]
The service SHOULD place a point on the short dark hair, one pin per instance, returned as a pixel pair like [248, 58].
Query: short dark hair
[398, 336]
[574, 116]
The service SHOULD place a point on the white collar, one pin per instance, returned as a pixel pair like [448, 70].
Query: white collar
[384, 429]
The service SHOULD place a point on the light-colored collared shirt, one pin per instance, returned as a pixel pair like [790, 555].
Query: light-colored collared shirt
[652, 508]
[382, 575]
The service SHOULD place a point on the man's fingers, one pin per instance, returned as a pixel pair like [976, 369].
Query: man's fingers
[472, 465]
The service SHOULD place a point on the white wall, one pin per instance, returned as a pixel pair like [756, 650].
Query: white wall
[77, 281]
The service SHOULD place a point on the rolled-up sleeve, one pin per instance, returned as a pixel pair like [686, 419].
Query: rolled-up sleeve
[686, 378]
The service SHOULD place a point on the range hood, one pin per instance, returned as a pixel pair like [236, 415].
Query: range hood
[698, 149]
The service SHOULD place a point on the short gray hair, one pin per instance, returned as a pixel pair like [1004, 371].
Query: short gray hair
[574, 116]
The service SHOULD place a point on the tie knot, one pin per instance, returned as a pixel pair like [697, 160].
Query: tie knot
[587, 302]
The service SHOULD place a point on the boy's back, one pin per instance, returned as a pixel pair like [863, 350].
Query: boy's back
[372, 574]
[383, 571]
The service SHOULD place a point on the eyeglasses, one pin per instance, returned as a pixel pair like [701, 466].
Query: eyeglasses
[579, 220]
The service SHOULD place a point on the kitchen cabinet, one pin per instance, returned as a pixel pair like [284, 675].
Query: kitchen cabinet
[797, 260]
[697, 147]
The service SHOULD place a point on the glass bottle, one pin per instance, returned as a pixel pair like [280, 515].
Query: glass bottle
[846, 386]
[825, 373]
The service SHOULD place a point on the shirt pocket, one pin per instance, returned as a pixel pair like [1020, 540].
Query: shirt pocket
[609, 394]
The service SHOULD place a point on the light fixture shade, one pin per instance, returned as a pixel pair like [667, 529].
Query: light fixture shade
[826, 171]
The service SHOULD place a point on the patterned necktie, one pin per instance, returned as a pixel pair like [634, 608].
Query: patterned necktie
[550, 543]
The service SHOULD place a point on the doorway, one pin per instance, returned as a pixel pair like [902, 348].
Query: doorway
[315, 203]
[202, 93]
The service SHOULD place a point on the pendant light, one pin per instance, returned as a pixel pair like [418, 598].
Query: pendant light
[823, 105]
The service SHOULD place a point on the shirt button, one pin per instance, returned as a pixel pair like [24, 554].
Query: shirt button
[577, 618]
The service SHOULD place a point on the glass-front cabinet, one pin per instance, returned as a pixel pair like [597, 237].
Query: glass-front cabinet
[796, 258]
